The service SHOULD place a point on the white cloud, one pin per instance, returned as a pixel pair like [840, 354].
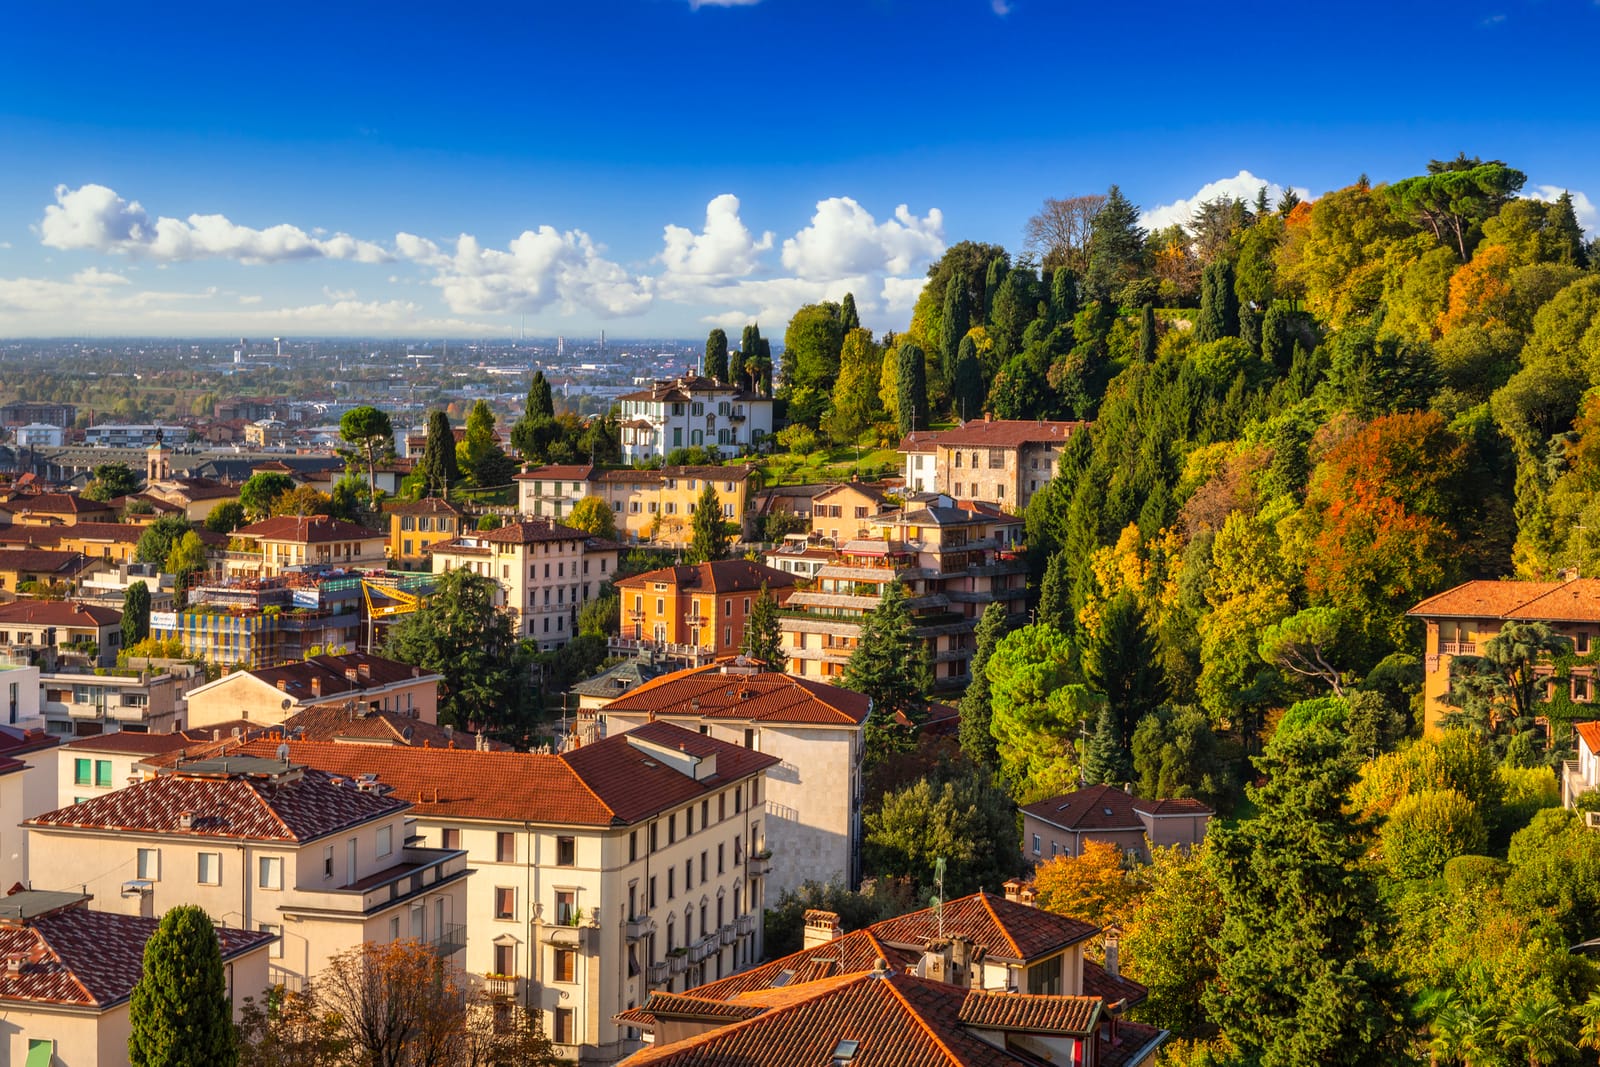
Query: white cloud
[696, 5]
[94, 217]
[1243, 185]
[1000, 7]
[724, 249]
[900, 294]
[843, 238]
[539, 269]
[94, 276]
[1582, 206]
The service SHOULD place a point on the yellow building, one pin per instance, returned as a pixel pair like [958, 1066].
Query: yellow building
[847, 512]
[660, 504]
[267, 696]
[53, 568]
[416, 526]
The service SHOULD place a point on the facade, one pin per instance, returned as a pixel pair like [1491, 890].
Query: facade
[21, 694]
[799, 557]
[1582, 775]
[266, 696]
[554, 490]
[85, 631]
[125, 435]
[266, 433]
[415, 527]
[259, 622]
[198, 497]
[25, 791]
[108, 584]
[83, 702]
[110, 542]
[1458, 621]
[649, 505]
[703, 606]
[319, 861]
[294, 542]
[813, 809]
[38, 435]
[999, 461]
[848, 512]
[67, 1000]
[94, 766]
[57, 509]
[601, 874]
[693, 412]
[1062, 825]
[22, 411]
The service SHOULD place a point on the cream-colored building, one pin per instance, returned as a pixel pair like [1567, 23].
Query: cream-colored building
[601, 874]
[553, 490]
[83, 702]
[659, 505]
[267, 696]
[66, 1002]
[321, 862]
[813, 804]
[289, 542]
[27, 787]
[88, 767]
[996, 461]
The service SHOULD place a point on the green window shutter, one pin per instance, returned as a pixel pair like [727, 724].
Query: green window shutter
[41, 1051]
[80, 771]
[102, 773]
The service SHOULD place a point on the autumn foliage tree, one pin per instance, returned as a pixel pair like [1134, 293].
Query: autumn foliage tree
[1093, 886]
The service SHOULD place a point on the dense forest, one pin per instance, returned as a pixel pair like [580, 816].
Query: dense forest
[1306, 416]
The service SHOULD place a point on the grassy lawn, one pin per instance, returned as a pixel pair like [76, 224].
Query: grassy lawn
[830, 465]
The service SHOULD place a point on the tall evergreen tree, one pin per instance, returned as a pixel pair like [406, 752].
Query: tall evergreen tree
[890, 666]
[1055, 606]
[709, 540]
[1116, 245]
[750, 346]
[180, 1013]
[1147, 334]
[999, 267]
[1105, 758]
[736, 367]
[439, 470]
[135, 614]
[913, 393]
[716, 364]
[955, 324]
[1277, 340]
[977, 742]
[762, 635]
[848, 318]
[1563, 233]
[766, 366]
[1063, 295]
[1122, 661]
[540, 402]
[1219, 306]
[967, 389]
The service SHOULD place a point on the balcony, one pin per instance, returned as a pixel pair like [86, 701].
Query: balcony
[581, 938]
[760, 863]
[745, 924]
[449, 941]
[678, 960]
[501, 986]
[704, 948]
[727, 934]
[638, 929]
[659, 973]
[416, 871]
[1458, 648]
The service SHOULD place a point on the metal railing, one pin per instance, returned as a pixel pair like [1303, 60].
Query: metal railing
[450, 940]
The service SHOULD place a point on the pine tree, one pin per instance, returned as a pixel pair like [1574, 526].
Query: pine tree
[1563, 235]
[967, 391]
[848, 318]
[1116, 245]
[710, 538]
[762, 634]
[999, 267]
[135, 614]
[716, 364]
[1147, 334]
[955, 324]
[180, 1012]
[1105, 760]
[913, 409]
[890, 666]
[540, 402]
[439, 470]
[1219, 306]
[1063, 295]
[977, 742]
[1123, 663]
[1055, 609]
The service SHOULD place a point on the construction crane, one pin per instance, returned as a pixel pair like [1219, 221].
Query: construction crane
[393, 602]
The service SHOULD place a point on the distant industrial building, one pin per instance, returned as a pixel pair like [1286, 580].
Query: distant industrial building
[21, 412]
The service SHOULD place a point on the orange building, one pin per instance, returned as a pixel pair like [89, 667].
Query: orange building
[416, 526]
[703, 606]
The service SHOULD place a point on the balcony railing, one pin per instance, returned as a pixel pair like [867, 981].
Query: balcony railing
[638, 929]
[704, 948]
[501, 986]
[727, 934]
[450, 940]
[659, 973]
[1458, 648]
[581, 938]
[759, 864]
[745, 924]
[678, 961]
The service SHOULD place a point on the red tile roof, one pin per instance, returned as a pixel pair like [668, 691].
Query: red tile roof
[58, 613]
[238, 807]
[531, 532]
[718, 576]
[558, 473]
[1589, 733]
[129, 743]
[1005, 929]
[332, 674]
[307, 530]
[995, 433]
[15, 742]
[45, 561]
[1035, 1014]
[57, 504]
[428, 505]
[1574, 601]
[1098, 807]
[1482, 599]
[344, 722]
[705, 692]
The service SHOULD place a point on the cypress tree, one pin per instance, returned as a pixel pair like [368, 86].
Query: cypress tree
[890, 666]
[913, 388]
[766, 367]
[1219, 306]
[966, 390]
[716, 363]
[540, 402]
[135, 614]
[762, 634]
[1123, 663]
[1277, 342]
[180, 1013]
[1564, 237]
[977, 741]
[1063, 295]
[847, 313]
[1055, 609]
[956, 322]
[1147, 334]
[710, 538]
[439, 469]
[736, 367]
[999, 267]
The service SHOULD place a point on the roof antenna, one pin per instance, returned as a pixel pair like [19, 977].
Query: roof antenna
[938, 893]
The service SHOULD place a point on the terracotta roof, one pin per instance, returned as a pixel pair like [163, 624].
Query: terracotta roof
[1005, 929]
[556, 472]
[306, 529]
[718, 576]
[331, 673]
[715, 474]
[1574, 601]
[1035, 1014]
[1172, 806]
[1589, 733]
[531, 532]
[11, 766]
[1098, 807]
[91, 959]
[681, 1006]
[43, 560]
[866, 489]
[996, 433]
[628, 674]
[237, 807]
[1097, 983]
[629, 476]
[15, 742]
[58, 613]
[705, 692]
[428, 505]
[344, 722]
[127, 742]
[1482, 599]
[57, 504]
[607, 783]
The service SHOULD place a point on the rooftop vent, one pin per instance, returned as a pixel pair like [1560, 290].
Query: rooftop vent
[845, 1052]
[185, 820]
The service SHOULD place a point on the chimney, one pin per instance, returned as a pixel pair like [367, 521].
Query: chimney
[350, 675]
[1013, 889]
[365, 670]
[185, 820]
[988, 416]
[283, 685]
[316, 687]
[821, 927]
[1111, 965]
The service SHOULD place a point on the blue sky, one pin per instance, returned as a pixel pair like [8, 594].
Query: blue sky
[652, 167]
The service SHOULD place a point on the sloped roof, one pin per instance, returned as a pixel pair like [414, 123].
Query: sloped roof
[1006, 929]
[343, 722]
[629, 674]
[56, 504]
[17, 742]
[43, 560]
[1036, 1014]
[558, 472]
[1589, 734]
[705, 692]
[331, 674]
[58, 613]
[1574, 601]
[1482, 599]
[428, 505]
[1096, 807]
[306, 529]
[532, 531]
[717, 576]
[992, 433]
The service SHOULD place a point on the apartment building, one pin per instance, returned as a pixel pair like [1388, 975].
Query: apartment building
[292, 542]
[703, 606]
[416, 526]
[323, 862]
[849, 512]
[552, 491]
[23, 411]
[1061, 826]
[693, 412]
[649, 505]
[601, 874]
[999, 461]
[132, 435]
[813, 803]
[266, 696]
[84, 632]
[95, 765]
[84, 702]
[258, 622]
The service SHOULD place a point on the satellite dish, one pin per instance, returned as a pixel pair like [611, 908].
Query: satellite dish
[407, 733]
[286, 704]
[283, 752]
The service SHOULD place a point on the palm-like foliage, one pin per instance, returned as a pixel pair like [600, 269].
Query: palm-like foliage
[1540, 1028]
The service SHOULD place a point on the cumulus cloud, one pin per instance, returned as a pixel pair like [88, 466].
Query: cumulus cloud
[1582, 206]
[725, 248]
[843, 239]
[1243, 185]
[94, 276]
[539, 269]
[94, 217]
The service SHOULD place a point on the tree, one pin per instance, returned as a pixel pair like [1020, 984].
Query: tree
[1176, 753]
[1037, 711]
[540, 402]
[1219, 307]
[811, 347]
[499, 1034]
[1059, 233]
[179, 1011]
[594, 516]
[957, 320]
[1167, 944]
[1425, 830]
[1303, 642]
[715, 366]
[369, 430]
[855, 396]
[1064, 295]
[1453, 201]
[848, 318]
[1147, 334]
[111, 480]
[1300, 980]
[1122, 661]
[763, 639]
[1539, 1027]
[1105, 757]
[186, 559]
[966, 387]
[913, 388]
[439, 470]
[1564, 234]
[709, 540]
[890, 667]
[226, 517]
[289, 1029]
[460, 634]
[743, 369]
[966, 820]
[1501, 683]
[977, 742]
[135, 614]
[479, 452]
[303, 500]
[260, 490]
[156, 542]
[1116, 245]
[397, 1004]
[1092, 886]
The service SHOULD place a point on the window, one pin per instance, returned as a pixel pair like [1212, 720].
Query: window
[749, 742]
[705, 813]
[566, 906]
[722, 855]
[505, 902]
[276, 952]
[566, 851]
[210, 868]
[653, 827]
[269, 872]
[1044, 979]
[633, 845]
[505, 847]
[672, 829]
[688, 875]
[652, 891]
[1580, 688]
[82, 770]
[450, 837]
[1035, 844]
[672, 883]
[102, 773]
[385, 840]
[704, 857]
[327, 862]
[505, 959]
[727, 609]
[150, 864]
[566, 965]
[688, 822]
[561, 1033]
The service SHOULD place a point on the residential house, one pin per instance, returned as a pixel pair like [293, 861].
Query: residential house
[1000, 461]
[297, 542]
[21, 692]
[981, 981]
[198, 497]
[82, 702]
[43, 567]
[813, 810]
[55, 509]
[1061, 826]
[555, 489]
[88, 631]
[266, 433]
[849, 511]
[594, 693]
[693, 412]
[702, 606]
[266, 696]
[323, 862]
[39, 435]
[27, 787]
[797, 555]
[795, 500]
[416, 526]
[111, 542]
[108, 586]
[1458, 621]
[70, 973]
[1582, 775]
[602, 873]
[649, 505]
[95, 765]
